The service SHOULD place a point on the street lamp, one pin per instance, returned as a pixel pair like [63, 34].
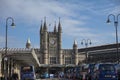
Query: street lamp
[13, 25]
[5, 56]
[86, 42]
[115, 18]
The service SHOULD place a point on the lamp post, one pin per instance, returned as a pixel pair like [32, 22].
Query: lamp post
[115, 19]
[6, 39]
[5, 67]
[86, 42]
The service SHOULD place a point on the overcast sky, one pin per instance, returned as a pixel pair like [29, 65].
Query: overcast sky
[80, 19]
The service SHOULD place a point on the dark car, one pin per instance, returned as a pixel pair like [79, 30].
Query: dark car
[117, 66]
[90, 68]
[87, 71]
[77, 71]
[104, 71]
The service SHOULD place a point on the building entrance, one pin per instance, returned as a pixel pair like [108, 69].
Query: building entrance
[54, 70]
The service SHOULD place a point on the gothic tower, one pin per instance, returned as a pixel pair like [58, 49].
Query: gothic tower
[41, 36]
[50, 44]
[44, 42]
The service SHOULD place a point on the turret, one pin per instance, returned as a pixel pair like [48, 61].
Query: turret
[75, 46]
[41, 32]
[75, 52]
[45, 42]
[45, 26]
[59, 27]
[60, 43]
[28, 44]
[41, 28]
[60, 35]
[55, 30]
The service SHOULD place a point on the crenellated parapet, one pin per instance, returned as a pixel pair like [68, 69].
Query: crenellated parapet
[67, 51]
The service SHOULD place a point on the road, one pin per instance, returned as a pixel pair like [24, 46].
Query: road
[55, 79]
[51, 79]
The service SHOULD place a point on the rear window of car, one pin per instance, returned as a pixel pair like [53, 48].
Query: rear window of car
[117, 66]
[107, 67]
[92, 66]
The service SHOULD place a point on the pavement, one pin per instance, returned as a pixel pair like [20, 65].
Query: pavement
[49, 79]
[56, 79]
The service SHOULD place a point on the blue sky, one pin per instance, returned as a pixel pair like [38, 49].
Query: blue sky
[80, 19]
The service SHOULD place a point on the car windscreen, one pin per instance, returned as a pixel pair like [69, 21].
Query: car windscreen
[107, 67]
[26, 69]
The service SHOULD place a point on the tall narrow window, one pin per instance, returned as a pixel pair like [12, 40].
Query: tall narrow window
[67, 60]
[53, 60]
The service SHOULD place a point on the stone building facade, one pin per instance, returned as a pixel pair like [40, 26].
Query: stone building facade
[51, 53]
[52, 57]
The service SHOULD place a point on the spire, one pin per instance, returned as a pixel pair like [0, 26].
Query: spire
[55, 30]
[75, 43]
[45, 26]
[59, 26]
[41, 28]
[28, 43]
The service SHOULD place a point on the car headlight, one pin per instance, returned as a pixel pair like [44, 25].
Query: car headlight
[113, 76]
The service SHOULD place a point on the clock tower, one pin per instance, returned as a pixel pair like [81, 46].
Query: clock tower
[50, 44]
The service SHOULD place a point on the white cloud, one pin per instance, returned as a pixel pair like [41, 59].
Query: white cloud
[73, 19]
[34, 10]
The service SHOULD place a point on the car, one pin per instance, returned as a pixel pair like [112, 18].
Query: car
[84, 71]
[51, 75]
[61, 74]
[87, 71]
[90, 68]
[77, 71]
[117, 66]
[45, 75]
[104, 71]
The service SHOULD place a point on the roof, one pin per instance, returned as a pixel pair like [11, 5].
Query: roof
[22, 56]
[101, 47]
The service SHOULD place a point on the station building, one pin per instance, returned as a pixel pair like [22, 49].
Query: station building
[51, 57]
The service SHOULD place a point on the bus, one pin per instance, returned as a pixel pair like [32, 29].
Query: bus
[27, 73]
